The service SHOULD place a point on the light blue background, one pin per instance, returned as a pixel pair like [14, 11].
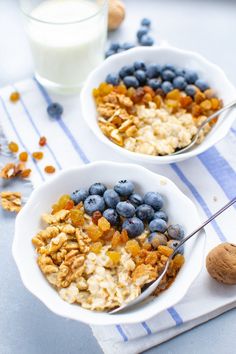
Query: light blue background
[26, 326]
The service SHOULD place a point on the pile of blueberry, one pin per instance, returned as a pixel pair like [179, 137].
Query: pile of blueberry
[143, 39]
[164, 77]
[124, 208]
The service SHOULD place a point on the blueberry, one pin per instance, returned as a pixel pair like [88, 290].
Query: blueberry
[168, 75]
[169, 67]
[153, 199]
[167, 86]
[93, 203]
[112, 216]
[190, 90]
[145, 212]
[140, 76]
[179, 82]
[175, 232]
[133, 226]
[146, 22]
[158, 225]
[109, 52]
[97, 188]
[146, 41]
[139, 65]
[154, 83]
[153, 71]
[201, 84]
[113, 79]
[54, 110]
[136, 199]
[180, 72]
[173, 244]
[114, 46]
[161, 215]
[156, 239]
[141, 32]
[125, 209]
[124, 188]
[111, 198]
[191, 76]
[126, 70]
[127, 46]
[131, 81]
[79, 195]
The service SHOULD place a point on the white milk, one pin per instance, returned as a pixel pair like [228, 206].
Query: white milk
[65, 50]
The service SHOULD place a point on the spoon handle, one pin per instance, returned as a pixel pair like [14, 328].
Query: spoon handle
[212, 217]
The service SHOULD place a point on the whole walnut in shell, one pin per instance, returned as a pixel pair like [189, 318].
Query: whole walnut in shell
[221, 263]
[116, 14]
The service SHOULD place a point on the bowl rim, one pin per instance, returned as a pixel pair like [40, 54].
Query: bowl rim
[110, 320]
[205, 145]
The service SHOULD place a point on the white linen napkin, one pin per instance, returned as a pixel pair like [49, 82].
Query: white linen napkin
[209, 180]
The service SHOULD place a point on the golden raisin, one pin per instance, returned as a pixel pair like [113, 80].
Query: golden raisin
[23, 156]
[69, 205]
[196, 110]
[49, 169]
[206, 105]
[185, 101]
[173, 95]
[63, 200]
[37, 155]
[209, 93]
[13, 147]
[164, 250]
[124, 236]
[121, 89]
[114, 256]
[104, 224]
[148, 89]
[42, 141]
[178, 261]
[14, 96]
[107, 235]
[77, 217]
[55, 208]
[96, 247]
[96, 216]
[94, 232]
[116, 239]
[215, 103]
[158, 100]
[199, 97]
[25, 173]
[132, 247]
[147, 98]
[96, 92]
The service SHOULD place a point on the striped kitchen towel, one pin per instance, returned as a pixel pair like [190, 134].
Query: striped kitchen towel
[209, 180]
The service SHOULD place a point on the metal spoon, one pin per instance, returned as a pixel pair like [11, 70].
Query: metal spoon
[193, 142]
[149, 291]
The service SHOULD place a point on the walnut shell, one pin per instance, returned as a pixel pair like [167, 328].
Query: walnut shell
[116, 14]
[221, 263]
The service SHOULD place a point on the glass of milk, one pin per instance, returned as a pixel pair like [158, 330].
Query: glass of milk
[67, 38]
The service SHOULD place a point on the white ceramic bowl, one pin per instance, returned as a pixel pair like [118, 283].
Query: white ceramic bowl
[161, 55]
[177, 205]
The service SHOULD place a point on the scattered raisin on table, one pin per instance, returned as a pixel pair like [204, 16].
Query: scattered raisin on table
[37, 155]
[13, 147]
[42, 141]
[14, 96]
[49, 169]
[23, 156]
[25, 173]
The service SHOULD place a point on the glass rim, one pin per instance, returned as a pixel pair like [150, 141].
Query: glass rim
[30, 17]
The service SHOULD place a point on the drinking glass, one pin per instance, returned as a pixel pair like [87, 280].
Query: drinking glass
[67, 39]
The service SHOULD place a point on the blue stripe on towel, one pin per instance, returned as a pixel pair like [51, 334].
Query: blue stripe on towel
[220, 170]
[19, 138]
[199, 199]
[38, 132]
[176, 317]
[122, 333]
[146, 327]
[63, 126]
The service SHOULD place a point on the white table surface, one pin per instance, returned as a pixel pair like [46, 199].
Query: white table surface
[26, 326]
